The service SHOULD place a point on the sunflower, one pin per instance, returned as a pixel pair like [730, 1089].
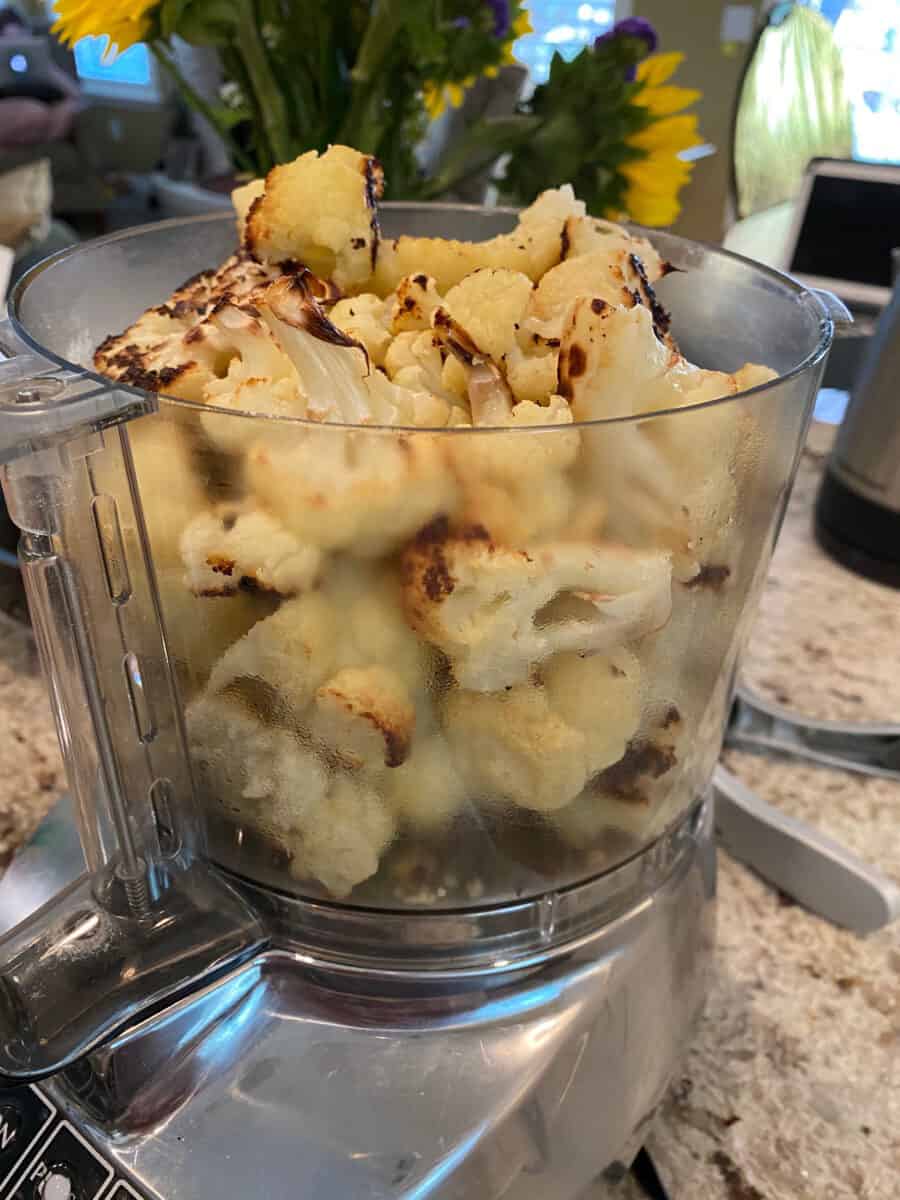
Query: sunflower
[656, 178]
[123, 22]
[436, 96]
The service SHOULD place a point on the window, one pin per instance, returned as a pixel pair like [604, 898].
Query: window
[564, 25]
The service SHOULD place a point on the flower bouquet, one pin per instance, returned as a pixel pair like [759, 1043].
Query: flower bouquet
[375, 73]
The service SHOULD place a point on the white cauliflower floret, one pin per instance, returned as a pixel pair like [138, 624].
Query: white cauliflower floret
[496, 612]
[228, 550]
[366, 714]
[242, 198]
[536, 744]
[199, 629]
[600, 695]
[364, 319]
[361, 492]
[342, 846]
[628, 796]
[669, 479]
[170, 485]
[287, 656]
[260, 379]
[411, 306]
[532, 248]
[585, 235]
[334, 828]
[332, 368]
[319, 210]
[340, 663]
[554, 204]
[489, 304]
[176, 348]
[257, 772]
[512, 747]
[515, 484]
[531, 377]
[427, 791]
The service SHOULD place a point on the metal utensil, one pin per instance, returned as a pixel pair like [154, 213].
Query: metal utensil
[866, 747]
[800, 860]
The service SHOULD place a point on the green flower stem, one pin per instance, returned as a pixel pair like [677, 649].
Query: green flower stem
[272, 109]
[364, 120]
[196, 101]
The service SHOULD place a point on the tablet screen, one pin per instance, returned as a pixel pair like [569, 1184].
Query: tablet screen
[848, 230]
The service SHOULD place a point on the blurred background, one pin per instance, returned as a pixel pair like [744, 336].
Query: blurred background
[89, 145]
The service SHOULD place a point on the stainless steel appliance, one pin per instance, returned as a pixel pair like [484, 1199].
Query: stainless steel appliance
[858, 508]
[498, 1008]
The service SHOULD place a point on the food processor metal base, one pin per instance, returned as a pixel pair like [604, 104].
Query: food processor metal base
[286, 1078]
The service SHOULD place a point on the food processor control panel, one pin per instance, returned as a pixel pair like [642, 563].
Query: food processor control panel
[43, 1157]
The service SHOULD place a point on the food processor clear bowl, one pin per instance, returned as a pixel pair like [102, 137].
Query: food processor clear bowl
[473, 666]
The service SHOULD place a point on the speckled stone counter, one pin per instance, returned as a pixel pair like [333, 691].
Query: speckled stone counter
[791, 1090]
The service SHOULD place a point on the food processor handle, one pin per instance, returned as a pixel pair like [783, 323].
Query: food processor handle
[150, 919]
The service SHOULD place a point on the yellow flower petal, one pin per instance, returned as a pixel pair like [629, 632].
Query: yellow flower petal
[658, 67]
[671, 134]
[122, 22]
[662, 101]
[522, 24]
[455, 94]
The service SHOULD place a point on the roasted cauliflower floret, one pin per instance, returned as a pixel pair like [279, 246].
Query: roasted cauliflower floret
[341, 664]
[260, 379]
[333, 827]
[364, 319]
[242, 198]
[585, 235]
[599, 695]
[356, 491]
[366, 714]
[282, 660]
[199, 629]
[427, 791]
[536, 745]
[231, 549]
[516, 484]
[319, 210]
[170, 486]
[669, 479]
[343, 843]
[174, 348]
[412, 304]
[489, 304]
[497, 612]
[531, 248]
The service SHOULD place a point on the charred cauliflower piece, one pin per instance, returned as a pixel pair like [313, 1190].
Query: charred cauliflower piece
[174, 348]
[341, 665]
[365, 320]
[320, 211]
[489, 304]
[260, 379]
[333, 827]
[341, 490]
[497, 612]
[531, 248]
[427, 791]
[367, 714]
[536, 744]
[513, 484]
[411, 306]
[669, 480]
[229, 550]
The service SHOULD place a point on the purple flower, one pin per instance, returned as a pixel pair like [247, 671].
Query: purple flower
[631, 27]
[500, 9]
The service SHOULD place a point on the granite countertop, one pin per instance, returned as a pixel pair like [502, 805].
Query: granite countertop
[791, 1090]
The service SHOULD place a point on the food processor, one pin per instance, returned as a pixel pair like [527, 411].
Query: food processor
[495, 1001]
